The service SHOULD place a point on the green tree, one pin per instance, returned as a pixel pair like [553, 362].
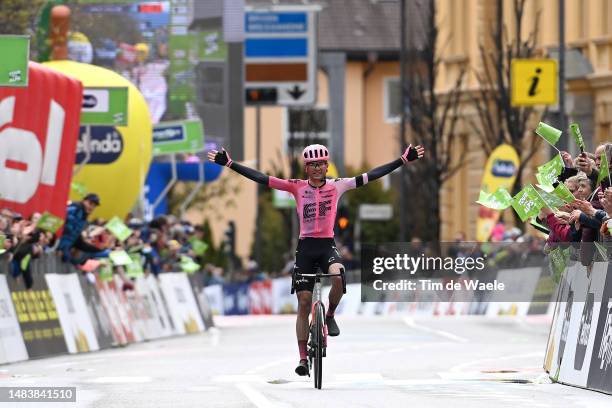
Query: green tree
[275, 235]
[18, 16]
[371, 193]
[213, 254]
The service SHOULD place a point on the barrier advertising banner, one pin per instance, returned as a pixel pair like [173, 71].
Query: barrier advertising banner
[260, 297]
[157, 299]
[108, 302]
[38, 318]
[12, 347]
[236, 298]
[283, 300]
[197, 285]
[38, 137]
[214, 294]
[100, 319]
[588, 291]
[70, 304]
[600, 372]
[182, 304]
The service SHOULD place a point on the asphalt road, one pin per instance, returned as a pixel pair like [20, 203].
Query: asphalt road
[376, 362]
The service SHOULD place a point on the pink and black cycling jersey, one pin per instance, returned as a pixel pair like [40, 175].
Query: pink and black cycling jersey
[316, 206]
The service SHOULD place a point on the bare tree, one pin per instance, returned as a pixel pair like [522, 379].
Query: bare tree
[433, 120]
[497, 121]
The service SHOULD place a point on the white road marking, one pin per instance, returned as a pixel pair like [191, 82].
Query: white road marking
[256, 397]
[460, 367]
[120, 380]
[410, 322]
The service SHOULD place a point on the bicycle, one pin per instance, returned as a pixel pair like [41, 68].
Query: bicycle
[317, 343]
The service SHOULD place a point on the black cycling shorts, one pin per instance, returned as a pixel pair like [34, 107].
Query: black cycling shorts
[310, 254]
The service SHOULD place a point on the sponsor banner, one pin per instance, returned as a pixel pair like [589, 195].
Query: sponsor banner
[105, 106]
[38, 318]
[236, 298]
[283, 300]
[197, 285]
[15, 50]
[600, 370]
[148, 309]
[109, 301]
[182, 304]
[581, 334]
[158, 300]
[38, 131]
[500, 172]
[124, 312]
[214, 294]
[100, 319]
[522, 286]
[70, 304]
[12, 347]
[178, 137]
[129, 309]
[561, 321]
[260, 297]
[144, 326]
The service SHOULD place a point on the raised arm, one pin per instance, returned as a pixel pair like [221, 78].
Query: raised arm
[410, 154]
[222, 158]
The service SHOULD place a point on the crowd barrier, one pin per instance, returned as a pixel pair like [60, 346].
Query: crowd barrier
[579, 349]
[69, 312]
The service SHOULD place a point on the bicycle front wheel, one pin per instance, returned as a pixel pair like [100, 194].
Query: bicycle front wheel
[318, 344]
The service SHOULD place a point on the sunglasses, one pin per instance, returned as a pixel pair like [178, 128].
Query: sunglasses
[317, 164]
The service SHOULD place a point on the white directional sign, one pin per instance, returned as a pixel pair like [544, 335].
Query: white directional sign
[280, 50]
[375, 212]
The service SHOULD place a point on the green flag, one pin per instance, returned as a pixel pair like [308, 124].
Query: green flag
[25, 261]
[577, 136]
[548, 173]
[499, 200]
[49, 222]
[558, 261]
[551, 200]
[527, 203]
[563, 193]
[2, 239]
[105, 271]
[604, 170]
[188, 265]
[120, 257]
[198, 246]
[134, 269]
[533, 221]
[79, 188]
[548, 133]
[118, 229]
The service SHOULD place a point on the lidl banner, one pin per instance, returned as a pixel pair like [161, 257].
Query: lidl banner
[38, 137]
[500, 172]
[178, 137]
[107, 106]
[12, 347]
[38, 318]
[15, 51]
[120, 155]
[71, 308]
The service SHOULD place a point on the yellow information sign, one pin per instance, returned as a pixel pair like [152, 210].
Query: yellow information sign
[534, 82]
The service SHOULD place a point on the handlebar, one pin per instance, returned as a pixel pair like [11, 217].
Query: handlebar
[318, 276]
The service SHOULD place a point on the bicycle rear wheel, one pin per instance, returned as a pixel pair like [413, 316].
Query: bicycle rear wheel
[318, 345]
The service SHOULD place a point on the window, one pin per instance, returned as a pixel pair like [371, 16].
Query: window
[306, 126]
[392, 100]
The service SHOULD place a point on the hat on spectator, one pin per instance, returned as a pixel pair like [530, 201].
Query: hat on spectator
[93, 197]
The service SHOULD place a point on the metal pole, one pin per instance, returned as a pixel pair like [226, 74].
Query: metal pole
[185, 204]
[402, 233]
[168, 187]
[562, 116]
[258, 213]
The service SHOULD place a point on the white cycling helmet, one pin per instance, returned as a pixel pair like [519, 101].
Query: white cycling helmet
[315, 152]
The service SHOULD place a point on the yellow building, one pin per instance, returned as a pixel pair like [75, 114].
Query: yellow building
[363, 37]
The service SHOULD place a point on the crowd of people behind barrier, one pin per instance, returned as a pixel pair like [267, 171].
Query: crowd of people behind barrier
[161, 244]
[587, 219]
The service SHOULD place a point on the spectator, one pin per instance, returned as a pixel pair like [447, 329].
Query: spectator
[72, 237]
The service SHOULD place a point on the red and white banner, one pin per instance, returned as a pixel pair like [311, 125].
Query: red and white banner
[39, 126]
[260, 297]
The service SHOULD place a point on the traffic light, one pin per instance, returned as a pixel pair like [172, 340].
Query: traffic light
[229, 242]
[261, 96]
[342, 218]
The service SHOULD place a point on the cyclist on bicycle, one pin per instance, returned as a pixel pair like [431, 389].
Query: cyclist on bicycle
[317, 200]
